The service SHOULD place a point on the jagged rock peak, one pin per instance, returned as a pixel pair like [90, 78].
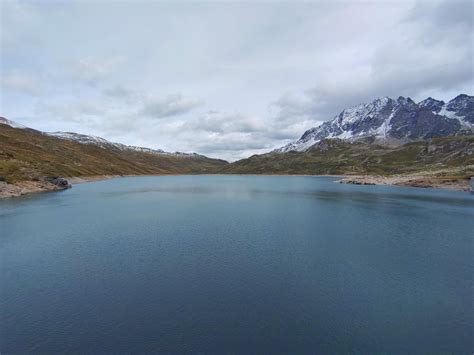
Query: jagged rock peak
[432, 104]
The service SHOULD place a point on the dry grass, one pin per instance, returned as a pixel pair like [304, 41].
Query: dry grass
[30, 155]
[451, 156]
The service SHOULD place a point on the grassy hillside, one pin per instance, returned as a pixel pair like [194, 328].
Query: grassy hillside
[30, 155]
[453, 155]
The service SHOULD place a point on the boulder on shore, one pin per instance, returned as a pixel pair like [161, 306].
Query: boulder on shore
[59, 182]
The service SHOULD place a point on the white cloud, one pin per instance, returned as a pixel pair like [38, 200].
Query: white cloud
[150, 74]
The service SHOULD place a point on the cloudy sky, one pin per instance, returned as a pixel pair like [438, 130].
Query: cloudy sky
[225, 79]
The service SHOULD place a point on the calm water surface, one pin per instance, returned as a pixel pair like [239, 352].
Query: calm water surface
[237, 263]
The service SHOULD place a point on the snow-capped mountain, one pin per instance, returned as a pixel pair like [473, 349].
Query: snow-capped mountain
[98, 141]
[389, 119]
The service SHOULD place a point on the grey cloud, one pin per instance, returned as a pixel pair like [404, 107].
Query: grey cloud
[454, 13]
[92, 71]
[236, 136]
[118, 92]
[172, 105]
[443, 14]
[291, 106]
[268, 70]
[447, 22]
[408, 64]
[78, 111]
[232, 145]
[221, 122]
[21, 82]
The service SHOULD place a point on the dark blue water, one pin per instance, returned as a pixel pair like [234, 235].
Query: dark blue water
[237, 263]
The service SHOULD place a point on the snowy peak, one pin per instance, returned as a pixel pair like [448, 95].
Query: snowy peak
[432, 104]
[388, 119]
[461, 101]
[462, 106]
[363, 111]
[405, 101]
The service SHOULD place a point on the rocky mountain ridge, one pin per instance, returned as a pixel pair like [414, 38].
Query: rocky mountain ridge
[388, 120]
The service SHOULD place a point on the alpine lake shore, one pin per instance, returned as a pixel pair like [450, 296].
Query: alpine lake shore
[429, 144]
[22, 188]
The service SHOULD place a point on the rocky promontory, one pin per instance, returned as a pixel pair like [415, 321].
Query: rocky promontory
[26, 187]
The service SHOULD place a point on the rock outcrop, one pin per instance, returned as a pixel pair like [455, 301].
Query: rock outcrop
[59, 182]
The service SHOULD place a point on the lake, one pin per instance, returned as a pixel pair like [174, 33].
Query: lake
[238, 264]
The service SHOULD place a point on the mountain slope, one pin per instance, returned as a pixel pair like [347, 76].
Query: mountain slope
[390, 120]
[442, 156]
[94, 140]
[26, 154]
[103, 143]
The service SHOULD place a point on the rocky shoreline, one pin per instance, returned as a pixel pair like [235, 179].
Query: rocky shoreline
[27, 187]
[423, 181]
[47, 184]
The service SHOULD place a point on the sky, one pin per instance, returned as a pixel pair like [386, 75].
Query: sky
[224, 79]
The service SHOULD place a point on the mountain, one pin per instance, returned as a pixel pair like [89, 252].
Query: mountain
[27, 154]
[103, 143]
[94, 140]
[432, 137]
[451, 157]
[388, 120]
[384, 137]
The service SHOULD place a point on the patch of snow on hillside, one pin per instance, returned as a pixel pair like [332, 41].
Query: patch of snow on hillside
[452, 114]
[11, 123]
